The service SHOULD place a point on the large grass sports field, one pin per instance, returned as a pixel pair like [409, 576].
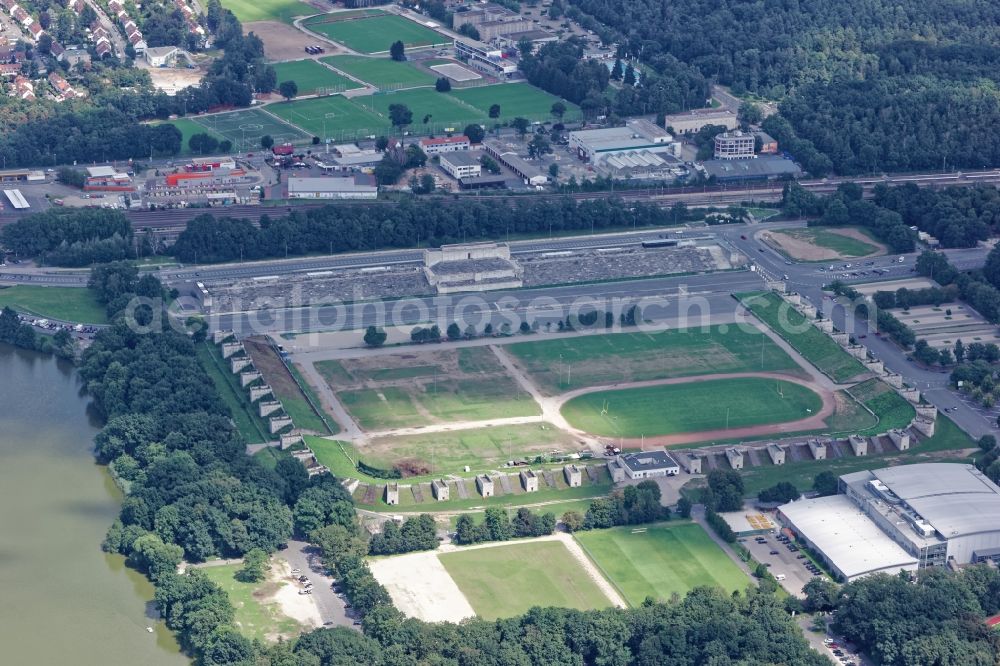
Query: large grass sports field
[375, 34]
[594, 360]
[660, 560]
[815, 346]
[189, 128]
[383, 73]
[505, 581]
[344, 120]
[691, 407]
[310, 76]
[268, 10]
[443, 109]
[63, 303]
[515, 99]
[245, 128]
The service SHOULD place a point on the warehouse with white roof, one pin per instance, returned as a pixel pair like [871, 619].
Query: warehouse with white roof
[904, 517]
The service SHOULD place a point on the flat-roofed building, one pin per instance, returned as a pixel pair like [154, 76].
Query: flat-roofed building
[357, 187]
[636, 135]
[461, 165]
[736, 145]
[445, 144]
[648, 464]
[691, 122]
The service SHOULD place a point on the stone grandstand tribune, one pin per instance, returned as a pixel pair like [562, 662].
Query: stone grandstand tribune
[632, 261]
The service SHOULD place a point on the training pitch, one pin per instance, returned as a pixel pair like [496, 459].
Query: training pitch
[383, 73]
[312, 77]
[245, 128]
[268, 10]
[341, 119]
[660, 560]
[516, 99]
[375, 34]
[690, 407]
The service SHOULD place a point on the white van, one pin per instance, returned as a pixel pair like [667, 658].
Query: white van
[779, 577]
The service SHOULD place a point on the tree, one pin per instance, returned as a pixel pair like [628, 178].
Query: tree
[489, 164]
[727, 487]
[821, 595]
[629, 78]
[825, 483]
[254, 566]
[494, 111]
[397, 51]
[684, 507]
[750, 113]
[266, 142]
[554, 171]
[469, 31]
[288, 89]
[617, 70]
[202, 143]
[475, 132]
[782, 492]
[400, 116]
[521, 125]
[538, 146]
[572, 521]
[442, 84]
[381, 143]
[558, 110]
[453, 331]
[375, 336]
[987, 442]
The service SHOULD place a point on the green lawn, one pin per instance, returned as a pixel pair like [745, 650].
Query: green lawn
[375, 34]
[815, 346]
[509, 580]
[660, 561]
[189, 128]
[64, 303]
[940, 448]
[268, 10]
[515, 99]
[694, 407]
[892, 409]
[310, 76]
[254, 618]
[250, 425]
[383, 73]
[444, 110]
[301, 411]
[593, 360]
[246, 127]
[342, 119]
[830, 239]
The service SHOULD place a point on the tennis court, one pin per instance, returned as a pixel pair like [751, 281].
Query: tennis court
[245, 128]
[375, 34]
[383, 73]
[336, 117]
[312, 77]
[515, 99]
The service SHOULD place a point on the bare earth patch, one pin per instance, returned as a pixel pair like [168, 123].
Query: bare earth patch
[421, 587]
[804, 250]
[283, 41]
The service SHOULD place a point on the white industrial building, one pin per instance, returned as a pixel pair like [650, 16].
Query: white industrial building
[648, 464]
[635, 137]
[934, 514]
[461, 165]
[691, 122]
[332, 188]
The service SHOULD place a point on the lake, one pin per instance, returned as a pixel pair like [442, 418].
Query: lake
[62, 600]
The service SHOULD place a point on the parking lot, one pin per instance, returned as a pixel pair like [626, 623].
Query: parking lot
[789, 566]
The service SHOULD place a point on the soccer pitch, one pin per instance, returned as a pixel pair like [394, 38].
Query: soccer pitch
[660, 560]
[383, 73]
[310, 76]
[443, 110]
[515, 99]
[268, 10]
[691, 407]
[245, 128]
[344, 120]
[375, 34]
[505, 581]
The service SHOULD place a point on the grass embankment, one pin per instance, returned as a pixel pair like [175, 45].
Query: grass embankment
[660, 560]
[509, 580]
[72, 304]
[815, 346]
[250, 425]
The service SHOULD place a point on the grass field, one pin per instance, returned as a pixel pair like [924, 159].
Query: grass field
[815, 346]
[245, 128]
[831, 240]
[310, 76]
[593, 360]
[344, 120]
[661, 560]
[375, 34]
[382, 73]
[444, 110]
[694, 407]
[250, 425]
[64, 303]
[508, 580]
[518, 99]
[189, 128]
[892, 410]
[285, 388]
[254, 619]
[268, 10]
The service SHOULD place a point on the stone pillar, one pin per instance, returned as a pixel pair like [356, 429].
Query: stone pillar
[266, 407]
[911, 394]
[859, 352]
[841, 338]
[808, 310]
[825, 325]
[926, 411]
[238, 363]
[794, 298]
[221, 336]
[258, 392]
[230, 348]
[279, 423]
[875, 366]
[894, 380]
[924, 427]
[290, 440]
[248, 377]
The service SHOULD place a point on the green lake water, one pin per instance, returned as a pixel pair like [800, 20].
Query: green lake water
[62, 600]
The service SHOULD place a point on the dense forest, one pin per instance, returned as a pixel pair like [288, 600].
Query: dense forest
[864, 87]
[410, 224]
[70, 237]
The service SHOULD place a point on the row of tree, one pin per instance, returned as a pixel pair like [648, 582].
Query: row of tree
[632, 505]
[20, 334]
[497, 525]
[417, 533]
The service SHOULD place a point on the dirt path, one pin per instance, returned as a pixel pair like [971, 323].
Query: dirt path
[449, 427]
[815, 422]
[350, 430]
[801, 249]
